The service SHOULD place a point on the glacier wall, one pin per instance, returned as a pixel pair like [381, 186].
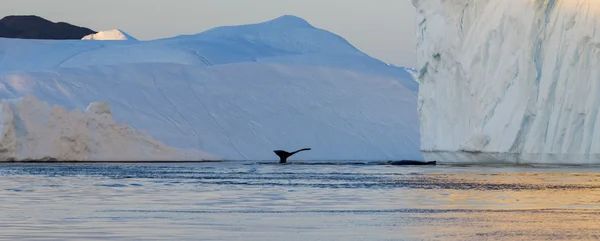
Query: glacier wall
[506, 80]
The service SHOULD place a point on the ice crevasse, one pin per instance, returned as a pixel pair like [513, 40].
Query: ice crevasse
[507, 80]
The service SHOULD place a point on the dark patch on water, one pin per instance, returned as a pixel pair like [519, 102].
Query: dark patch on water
[110, 185]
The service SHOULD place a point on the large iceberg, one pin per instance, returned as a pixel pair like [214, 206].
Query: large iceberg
[505, 80]
[237, 92]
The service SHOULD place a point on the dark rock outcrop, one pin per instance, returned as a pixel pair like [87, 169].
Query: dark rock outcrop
[34, 27]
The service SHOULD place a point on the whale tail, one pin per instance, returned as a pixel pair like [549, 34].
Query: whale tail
[284, 155]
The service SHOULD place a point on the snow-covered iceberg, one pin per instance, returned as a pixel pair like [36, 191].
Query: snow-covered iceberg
[34, 130]
[237, 92]
[505, 80]
[114, 34]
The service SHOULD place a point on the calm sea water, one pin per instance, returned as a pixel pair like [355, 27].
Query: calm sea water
[254, 201]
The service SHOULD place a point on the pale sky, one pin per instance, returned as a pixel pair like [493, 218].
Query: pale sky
[383, 29]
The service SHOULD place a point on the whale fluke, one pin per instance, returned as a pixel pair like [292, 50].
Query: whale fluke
[283, 155]
[411, 163]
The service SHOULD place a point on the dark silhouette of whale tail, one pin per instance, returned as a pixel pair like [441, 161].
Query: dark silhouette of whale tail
[284, 155]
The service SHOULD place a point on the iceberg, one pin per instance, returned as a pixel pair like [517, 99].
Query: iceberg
[235, 92]
[34, 130]
[114, 34]
[509, 81]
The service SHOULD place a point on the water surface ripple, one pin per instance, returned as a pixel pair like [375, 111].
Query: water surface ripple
[263, 201]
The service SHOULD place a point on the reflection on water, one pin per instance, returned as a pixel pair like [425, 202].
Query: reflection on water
[251, 201]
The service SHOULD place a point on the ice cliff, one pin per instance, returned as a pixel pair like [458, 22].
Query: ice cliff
[34, 130]
[505, 80]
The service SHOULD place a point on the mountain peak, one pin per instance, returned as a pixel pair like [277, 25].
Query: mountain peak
[24, 17]
[35, 27]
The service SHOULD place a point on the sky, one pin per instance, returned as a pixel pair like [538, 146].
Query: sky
[383, 29]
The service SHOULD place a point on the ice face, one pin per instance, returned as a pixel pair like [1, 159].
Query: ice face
[514, 80]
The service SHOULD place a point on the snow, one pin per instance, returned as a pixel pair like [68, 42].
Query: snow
[287, 39]
[511, 81]
[236, 92]
[34, 130]
[114, 34]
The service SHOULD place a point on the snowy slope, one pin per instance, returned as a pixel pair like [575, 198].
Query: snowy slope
[236, 92]
[114, 34]
[509, 77]
[20, 54]
[287, 39]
